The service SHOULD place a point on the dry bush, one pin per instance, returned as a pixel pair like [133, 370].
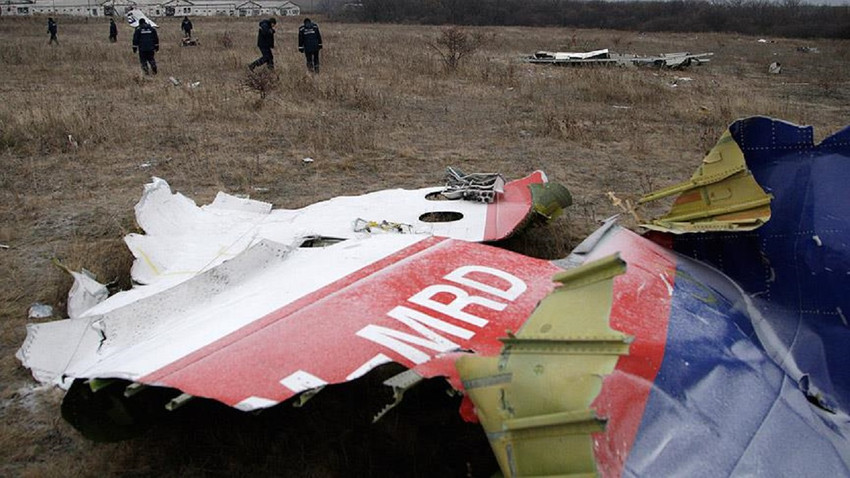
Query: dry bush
[564, 125]
[454, 44]
[225, 39]
[262, 81]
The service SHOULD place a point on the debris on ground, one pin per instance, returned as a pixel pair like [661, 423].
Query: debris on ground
[362, 225]
[625, 357]
[134, 15]
[210, 256]
[40, 311]
[606, 57]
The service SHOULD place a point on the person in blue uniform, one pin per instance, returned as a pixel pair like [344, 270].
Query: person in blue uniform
[113, 31]
[51, 29]
[186, 26]
[309, 43]
[265, 42]
[146, 42]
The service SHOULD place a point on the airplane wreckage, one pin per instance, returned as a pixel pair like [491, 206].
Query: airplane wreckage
[606, 57]
[714, 344]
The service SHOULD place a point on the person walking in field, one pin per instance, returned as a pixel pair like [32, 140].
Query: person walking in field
[146, 42]
[186, 26]
[309, 43]
[265, 42]
[51, 29]
[113, 31]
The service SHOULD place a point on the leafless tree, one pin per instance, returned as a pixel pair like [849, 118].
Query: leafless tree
[454, 44]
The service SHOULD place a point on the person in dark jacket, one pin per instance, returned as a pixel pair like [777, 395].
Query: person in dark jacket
[186, 26]
[265, 42]
[146, 41]
[113, 31]
[309, 43]
[51, 29]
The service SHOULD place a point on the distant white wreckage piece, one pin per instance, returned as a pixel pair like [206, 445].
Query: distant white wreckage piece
[606, 57]
[133, 17]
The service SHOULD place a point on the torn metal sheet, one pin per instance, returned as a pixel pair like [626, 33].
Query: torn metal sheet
[535, 396]
[701, 367]
[183, 239]
[722, 195]
[218, 279]
[798, 264]
[281, 320]
[606, 57]
[134, 15]
[753, 362]
[86, 292]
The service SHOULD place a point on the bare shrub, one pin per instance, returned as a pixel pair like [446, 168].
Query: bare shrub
[455, 44]
[225, 40]
[262, 81]
[564, 126]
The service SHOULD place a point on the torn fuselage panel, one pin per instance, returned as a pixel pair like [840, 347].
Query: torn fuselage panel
[534, 398]
[798, 264]
[699, 370]
[277, 321]
[462, 296]
[182, 239]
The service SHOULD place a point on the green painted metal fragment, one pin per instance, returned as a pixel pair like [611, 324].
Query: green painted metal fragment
[534, 399]
[97, 384]
[722, 195]
[550, 199]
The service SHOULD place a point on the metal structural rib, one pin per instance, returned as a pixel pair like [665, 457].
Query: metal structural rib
[722, 195]
[535, 396]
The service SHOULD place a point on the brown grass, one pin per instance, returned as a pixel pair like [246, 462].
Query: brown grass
[383, 113]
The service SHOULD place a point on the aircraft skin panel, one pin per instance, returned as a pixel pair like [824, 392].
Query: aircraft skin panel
[182, 239]
[510, 209]
[797, 262]
[463, 296]
[699, 393]
[717, 380]
[641, 307]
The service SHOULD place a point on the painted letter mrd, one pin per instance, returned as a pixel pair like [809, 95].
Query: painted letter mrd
[466, 305]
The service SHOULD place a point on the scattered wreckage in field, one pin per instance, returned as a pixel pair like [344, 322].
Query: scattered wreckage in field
[724, 325]
[606, 57]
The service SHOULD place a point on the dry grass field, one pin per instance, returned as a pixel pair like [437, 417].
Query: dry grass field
[81, 132]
